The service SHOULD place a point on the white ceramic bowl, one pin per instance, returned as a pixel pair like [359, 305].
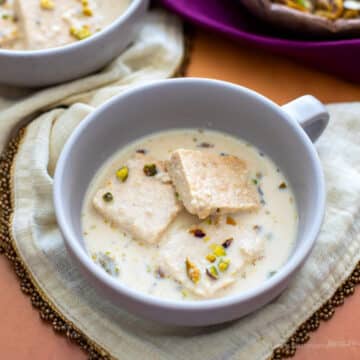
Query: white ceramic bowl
[195, 103]
[57, 65]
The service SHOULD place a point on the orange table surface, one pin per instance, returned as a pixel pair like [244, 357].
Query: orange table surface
[24, 336]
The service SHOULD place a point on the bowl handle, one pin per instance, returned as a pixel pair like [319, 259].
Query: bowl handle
[310, 113]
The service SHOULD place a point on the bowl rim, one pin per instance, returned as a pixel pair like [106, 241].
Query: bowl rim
[130, 10]
[291, 266]
[207, 21]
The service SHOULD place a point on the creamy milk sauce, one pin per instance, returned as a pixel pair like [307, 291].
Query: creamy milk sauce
[42, 24]
[136, 265]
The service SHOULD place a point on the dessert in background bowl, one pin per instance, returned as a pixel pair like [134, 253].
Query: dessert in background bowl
[204, 212]
[43, 42]
[311, 17]
[45, 24]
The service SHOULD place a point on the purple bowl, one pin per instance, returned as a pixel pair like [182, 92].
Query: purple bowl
[339, 57]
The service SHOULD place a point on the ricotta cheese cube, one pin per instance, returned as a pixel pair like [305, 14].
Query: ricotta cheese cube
[139, 199]
[206, 258]
[208, 183]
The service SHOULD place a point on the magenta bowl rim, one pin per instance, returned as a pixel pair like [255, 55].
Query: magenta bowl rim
[197, 18]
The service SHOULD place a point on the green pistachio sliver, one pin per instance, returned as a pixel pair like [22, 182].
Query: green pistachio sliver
[218, 250]
[108, 197]
[224, 264]
[271, 273]
[303, 3]
[107, 263]
[212, 272]
[150, 170]
[122, 174]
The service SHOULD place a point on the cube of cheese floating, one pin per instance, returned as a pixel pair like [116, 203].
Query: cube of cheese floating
[44, 28]
[208, 183]
[206, 259]
[139, 204]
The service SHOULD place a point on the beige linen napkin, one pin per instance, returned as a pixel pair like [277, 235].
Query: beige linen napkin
[157, 54]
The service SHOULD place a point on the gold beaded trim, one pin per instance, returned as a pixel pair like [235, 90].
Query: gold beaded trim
[325, 313]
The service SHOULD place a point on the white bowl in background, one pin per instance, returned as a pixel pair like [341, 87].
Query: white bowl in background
[58, 65]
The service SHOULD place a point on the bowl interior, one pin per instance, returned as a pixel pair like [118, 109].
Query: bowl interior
[187, 103]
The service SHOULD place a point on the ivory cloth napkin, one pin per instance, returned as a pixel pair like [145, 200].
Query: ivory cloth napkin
[156, 54]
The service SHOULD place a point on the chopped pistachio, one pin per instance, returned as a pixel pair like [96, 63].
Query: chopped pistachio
[206, 145]
[87, 11]
[227, 243]
[206, 238]
[80, 33]
[211, 258]
[230, 221]
[122, 174]
[255, 182]
[224, 264]
[150, 170]
[107, 263]
[160, 273]
[108, 197]
[271, 273]
[209, 220]
[192, 271]
[212, 272]
[47, 4]
[282, 186]
[141, 151]
[184, 293]
[197, 233]
[218, 250]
